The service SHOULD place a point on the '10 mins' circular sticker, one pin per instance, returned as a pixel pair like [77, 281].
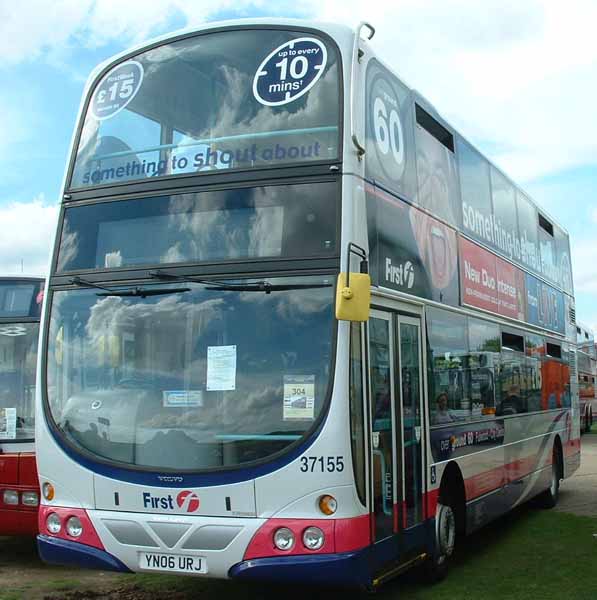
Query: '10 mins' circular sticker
[290, 71]
[116, 89]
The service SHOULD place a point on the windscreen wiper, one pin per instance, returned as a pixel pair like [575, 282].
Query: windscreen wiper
[136, 291]
[144, 292]
[259, 286]
[80, 282]
[265, 286]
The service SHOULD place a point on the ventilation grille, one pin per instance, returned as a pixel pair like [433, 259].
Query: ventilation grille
[434, 127]
[572, 315]
[573, 369]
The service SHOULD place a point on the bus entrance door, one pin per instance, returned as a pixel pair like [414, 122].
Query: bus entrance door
[395, 379]
[383, 419]
[410, 432]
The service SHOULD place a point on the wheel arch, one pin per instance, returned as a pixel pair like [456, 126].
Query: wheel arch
[559, 449]
[452, 491]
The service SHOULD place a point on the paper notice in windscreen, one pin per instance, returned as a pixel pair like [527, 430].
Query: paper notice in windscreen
[299, 397]
[8, 423]
[175, 398]
[221, 368]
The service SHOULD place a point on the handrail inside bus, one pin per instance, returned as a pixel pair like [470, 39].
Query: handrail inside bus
[264, 438]
[226, 138]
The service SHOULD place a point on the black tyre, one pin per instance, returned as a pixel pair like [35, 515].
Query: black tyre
[437, 566]
[549, 498]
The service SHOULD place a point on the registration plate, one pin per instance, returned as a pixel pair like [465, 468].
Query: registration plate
[177, 563]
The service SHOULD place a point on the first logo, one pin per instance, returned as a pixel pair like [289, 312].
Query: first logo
[188, 501]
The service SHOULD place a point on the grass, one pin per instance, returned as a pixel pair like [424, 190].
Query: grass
[62, 584]
[529, 554]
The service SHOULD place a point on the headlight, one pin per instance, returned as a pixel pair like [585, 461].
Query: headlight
[30, 498]
[313, 538]
[284, 539]
[10, 497]
[53, 523]
[74, 527]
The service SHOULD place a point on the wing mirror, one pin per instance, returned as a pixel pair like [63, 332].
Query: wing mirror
[353, 291]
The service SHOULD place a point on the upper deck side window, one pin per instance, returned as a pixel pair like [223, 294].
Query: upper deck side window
[235, 99]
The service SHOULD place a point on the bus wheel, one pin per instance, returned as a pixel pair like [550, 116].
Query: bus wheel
[549, 498]
[436, 567]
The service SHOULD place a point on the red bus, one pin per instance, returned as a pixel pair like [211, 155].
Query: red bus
[20, 307]
[587, 369]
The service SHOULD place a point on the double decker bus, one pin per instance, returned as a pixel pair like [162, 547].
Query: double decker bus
[20, 310]
[587, 370]
[297, 328]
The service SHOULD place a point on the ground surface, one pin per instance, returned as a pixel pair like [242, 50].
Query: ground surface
[529, 554]
[578, 494]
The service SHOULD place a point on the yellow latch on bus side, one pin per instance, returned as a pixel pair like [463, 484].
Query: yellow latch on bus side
[353, 300]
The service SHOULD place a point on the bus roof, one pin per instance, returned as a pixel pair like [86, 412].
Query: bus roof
[338, 32]
[21, 277]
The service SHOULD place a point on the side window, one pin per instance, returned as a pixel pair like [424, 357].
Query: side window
[554, 373]
[565, 368]
[449, 400]
[534, 353]
[512, 384]
[483, 365]
[357, 424]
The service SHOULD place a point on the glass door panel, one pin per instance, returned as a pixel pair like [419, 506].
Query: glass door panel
[381, 376]
[410, 400]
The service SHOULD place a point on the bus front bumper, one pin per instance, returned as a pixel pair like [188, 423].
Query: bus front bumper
[349, 569]
[55, 551]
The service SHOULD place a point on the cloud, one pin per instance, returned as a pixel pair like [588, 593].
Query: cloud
[29, 30]
[584, 255]
[518, 78]
[28, 230]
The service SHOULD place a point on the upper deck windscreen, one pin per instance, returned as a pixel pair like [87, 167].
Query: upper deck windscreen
[234, 99]
[20, 298]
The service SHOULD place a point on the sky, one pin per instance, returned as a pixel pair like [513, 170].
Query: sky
[516, 77]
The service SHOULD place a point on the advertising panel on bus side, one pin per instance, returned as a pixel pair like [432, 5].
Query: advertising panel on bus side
[491, 283]
[497, 214]
[414, 155]
[544, 305]
[411, 251]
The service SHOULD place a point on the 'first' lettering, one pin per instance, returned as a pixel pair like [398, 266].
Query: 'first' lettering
[163, 502]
